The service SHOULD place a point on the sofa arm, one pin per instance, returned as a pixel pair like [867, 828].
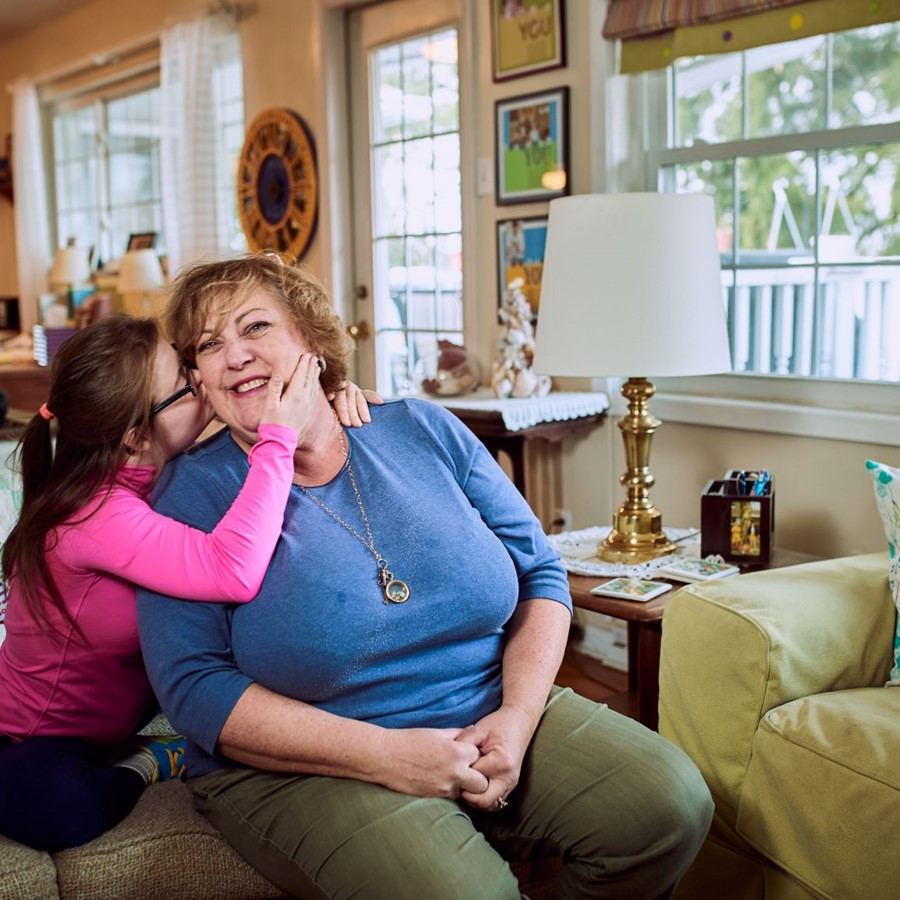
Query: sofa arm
[734, 649]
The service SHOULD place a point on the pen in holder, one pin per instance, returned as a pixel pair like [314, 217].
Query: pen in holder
[737, 517]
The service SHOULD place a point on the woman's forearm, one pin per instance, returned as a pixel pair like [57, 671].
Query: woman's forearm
[275, 733]
[269, 731]
[534, 650]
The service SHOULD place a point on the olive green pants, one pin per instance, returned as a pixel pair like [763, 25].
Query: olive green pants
[625, 809]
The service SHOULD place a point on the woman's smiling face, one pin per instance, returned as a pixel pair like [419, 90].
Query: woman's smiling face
[237, 354]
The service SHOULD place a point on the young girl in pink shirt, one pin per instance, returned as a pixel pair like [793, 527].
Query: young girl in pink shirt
[72, 681]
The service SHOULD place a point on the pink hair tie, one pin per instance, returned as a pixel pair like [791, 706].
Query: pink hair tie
[45, 413]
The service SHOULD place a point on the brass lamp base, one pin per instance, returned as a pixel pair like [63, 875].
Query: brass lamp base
[635, 539]
[637, 534]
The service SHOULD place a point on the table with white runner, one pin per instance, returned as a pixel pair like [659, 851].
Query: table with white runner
[579, 552]
[525, 412]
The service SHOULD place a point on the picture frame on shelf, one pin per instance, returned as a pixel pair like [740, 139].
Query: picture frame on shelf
[520, 254]
[532, 147]
[142, 240]
[527, 36]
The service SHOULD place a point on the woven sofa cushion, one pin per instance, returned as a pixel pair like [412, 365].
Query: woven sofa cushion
[822, 792]
[25, 873]
[163, 849]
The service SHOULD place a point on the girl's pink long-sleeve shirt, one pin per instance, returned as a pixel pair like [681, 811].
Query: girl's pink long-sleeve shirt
[55, 682]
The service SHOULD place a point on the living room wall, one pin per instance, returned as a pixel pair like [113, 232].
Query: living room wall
[293, 56]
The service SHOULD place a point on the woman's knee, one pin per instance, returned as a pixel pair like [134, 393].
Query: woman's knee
[684, 801]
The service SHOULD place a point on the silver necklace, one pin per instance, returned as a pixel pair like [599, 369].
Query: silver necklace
[394, 590]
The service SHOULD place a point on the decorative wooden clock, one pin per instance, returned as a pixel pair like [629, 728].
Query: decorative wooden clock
[278, 189]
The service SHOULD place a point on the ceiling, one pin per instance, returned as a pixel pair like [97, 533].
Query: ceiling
[19, 16]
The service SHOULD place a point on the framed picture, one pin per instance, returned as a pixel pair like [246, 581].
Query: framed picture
[520, 254]
[528, 36]
[532, 143]
[142, 240]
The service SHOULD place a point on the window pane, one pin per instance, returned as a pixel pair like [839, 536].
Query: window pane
[708, 101]
[387, 80]
[786, 84]
[448, 190]
[866, 71]
[445, 81]
[416, 86]
[713, 177]
[389, 201]
[860, 189]
[777, 206]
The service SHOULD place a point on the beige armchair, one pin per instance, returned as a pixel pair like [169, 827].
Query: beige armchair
[773, 683]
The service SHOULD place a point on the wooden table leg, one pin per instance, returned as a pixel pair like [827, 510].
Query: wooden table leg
[649, 644]
[514, 447]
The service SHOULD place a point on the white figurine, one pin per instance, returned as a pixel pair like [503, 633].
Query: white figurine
[511, 374]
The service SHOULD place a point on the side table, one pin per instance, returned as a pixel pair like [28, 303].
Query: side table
[26, 385]
[506, 425]
[645, 633]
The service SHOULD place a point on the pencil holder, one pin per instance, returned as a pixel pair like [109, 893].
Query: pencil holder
[737, 517]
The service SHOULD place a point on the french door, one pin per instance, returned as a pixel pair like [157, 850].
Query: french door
[407, 174]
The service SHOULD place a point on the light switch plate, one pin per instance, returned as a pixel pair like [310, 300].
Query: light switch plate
[485, 177]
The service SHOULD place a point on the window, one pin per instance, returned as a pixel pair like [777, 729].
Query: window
[104, 153]
[799, 145]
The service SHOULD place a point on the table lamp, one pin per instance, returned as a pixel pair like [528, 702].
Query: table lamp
[140, 274]
[70, 268]
[632, 284]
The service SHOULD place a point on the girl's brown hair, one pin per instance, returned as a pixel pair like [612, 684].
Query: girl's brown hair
[205, 288]
[101, 385]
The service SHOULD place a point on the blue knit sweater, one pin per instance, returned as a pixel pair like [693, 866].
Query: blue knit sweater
[445, 518]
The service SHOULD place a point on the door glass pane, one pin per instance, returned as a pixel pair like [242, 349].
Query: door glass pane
[417, 205]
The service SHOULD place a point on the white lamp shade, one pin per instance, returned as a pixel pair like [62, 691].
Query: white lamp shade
[631, 287]
[140, 270]
[70, 266]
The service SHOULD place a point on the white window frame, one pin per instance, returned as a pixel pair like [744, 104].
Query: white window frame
[862, 411]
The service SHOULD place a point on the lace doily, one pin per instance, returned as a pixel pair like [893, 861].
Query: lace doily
[579, 552]
[524, 412]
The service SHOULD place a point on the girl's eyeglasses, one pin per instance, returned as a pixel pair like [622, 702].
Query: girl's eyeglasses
[189, 388]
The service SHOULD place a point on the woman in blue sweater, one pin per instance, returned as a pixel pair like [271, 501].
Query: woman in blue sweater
[382, 720]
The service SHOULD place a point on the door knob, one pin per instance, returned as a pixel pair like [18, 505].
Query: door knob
[360, 331]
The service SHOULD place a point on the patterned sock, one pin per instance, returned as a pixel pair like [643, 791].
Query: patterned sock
[157, 758]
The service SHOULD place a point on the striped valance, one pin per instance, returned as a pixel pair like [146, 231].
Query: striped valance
[656, 32]
[638, 18]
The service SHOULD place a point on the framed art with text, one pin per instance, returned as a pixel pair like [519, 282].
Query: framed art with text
[528, 36]
[532, 147]
[520, 254]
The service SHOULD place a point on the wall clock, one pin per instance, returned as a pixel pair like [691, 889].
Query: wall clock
[278, 189]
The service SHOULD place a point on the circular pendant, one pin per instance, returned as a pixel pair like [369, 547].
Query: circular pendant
[396, 591]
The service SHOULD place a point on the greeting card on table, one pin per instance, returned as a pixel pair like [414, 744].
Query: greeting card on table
[631, 589]
[690, 568]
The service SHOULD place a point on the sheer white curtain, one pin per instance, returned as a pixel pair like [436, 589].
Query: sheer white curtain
[32, 233]
[196, 217]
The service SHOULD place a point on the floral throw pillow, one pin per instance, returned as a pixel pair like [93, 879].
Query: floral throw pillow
[887, 494]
